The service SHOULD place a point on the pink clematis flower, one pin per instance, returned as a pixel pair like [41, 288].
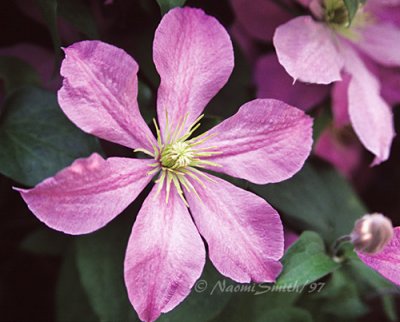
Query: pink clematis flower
[266, 141]
[257, 21]
[338, 143]
[323, 49]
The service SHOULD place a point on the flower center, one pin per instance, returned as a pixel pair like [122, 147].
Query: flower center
[178, 157]
[336, 13]
[337, 16]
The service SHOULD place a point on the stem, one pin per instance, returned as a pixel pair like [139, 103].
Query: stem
[338, 244]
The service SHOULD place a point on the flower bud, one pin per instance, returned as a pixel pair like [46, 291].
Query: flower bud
[371, 233]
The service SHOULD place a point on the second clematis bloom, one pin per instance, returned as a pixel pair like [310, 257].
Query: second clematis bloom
[324, 48]
[266, 141]
[256, 20]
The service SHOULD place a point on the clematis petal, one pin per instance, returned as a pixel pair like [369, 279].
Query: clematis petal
[265, 141]
[194, 56]
[370, 115]
[88, 194]
[165, 255]
[290, 238]
[381, 41]
[390, 80]
[340, 101]
[386, 11]
[341, 149]
[260, 18]
[99, 93]
[386, 262]
[244, 233]
[273, 82]
[387, 2]
[308, 52]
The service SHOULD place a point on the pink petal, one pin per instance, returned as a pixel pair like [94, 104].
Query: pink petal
[194, 56]
[290, 238]
[265, 141]
[342, 151]
[244, 233]
[260, 18]
[386, 2]
[340, 101]
[370, 115]
[381, 41]
[390, 81]
[386, 262]
[88, 194]
[384, 10]
[273, 82]
[317, 9]
[99, 93]
[165, 256]
[308, 52]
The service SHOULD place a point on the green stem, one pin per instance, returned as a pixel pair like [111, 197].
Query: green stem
[338, 243]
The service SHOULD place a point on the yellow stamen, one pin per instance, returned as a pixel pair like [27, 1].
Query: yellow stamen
[145, 151]
[179, 156]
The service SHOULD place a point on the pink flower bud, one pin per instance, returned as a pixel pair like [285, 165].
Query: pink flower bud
[371, 233]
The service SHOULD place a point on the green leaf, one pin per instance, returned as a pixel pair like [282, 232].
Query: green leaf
[352, 7]
[72, 303]
[100, 258]
[166, 5]
[290, 314]
[372, 284]
[305, 261]
[340, 297]
[247, 306]
[389, 307]
[338, 300]
[36, 139]
[205, 302]
[317, 199]
[16, 73]
[45, 242]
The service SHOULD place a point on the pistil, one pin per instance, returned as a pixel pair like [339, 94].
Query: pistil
[179, 156]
